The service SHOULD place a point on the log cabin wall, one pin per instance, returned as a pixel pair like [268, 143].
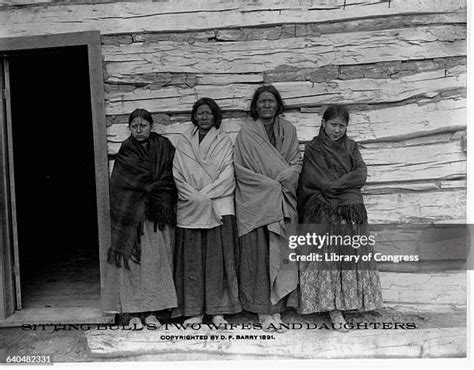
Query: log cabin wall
[399, 65]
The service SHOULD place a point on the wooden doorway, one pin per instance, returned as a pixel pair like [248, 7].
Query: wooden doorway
[55, 166]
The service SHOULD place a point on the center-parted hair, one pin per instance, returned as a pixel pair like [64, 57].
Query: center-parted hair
[216, 111]
[266, 88]
[334, 111]
[140, 113]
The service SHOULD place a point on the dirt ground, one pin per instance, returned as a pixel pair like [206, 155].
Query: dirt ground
[71, 345]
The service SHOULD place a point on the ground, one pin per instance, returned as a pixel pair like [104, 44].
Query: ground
[71, 345]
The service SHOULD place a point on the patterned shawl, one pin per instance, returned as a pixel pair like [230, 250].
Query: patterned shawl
[141, 186]
[332, 176]
[204, 175]
[266, 183]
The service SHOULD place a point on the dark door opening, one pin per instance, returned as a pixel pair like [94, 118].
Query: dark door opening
[54, 177]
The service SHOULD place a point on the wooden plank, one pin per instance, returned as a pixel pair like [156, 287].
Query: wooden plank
[294, 344]
[64, 302]
[442, 204]
[423, 308]
[410, 186]
[313, 29]
[64, 315]
[212, 14]
[392, 123]
[63, 286]
[412, 120]
[201, 79]
[441, 159]
[442, 243]
[445, 205]
[370, 91]
[48, 41]
[100, 152]
[15, 254]
[7, 292]
[296, 94]
[419, 288]
[91, 292]
[436, 161]
[305, 52]
[427, 266]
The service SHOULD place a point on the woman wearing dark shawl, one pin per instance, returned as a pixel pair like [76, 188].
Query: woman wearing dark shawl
[330, 197]
[206, 238]
[267, 165]
[139, 277]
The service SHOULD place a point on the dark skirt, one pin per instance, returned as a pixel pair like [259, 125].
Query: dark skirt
[205, 272]
[253, 269]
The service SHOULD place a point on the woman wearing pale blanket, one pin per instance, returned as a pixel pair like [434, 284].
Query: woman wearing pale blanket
[267, 166]
[206, 238]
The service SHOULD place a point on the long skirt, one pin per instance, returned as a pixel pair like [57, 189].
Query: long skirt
[254, 277]
[339, 286]
[205, 273]
[147, 286]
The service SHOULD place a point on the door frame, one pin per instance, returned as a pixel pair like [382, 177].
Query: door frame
[91, 39]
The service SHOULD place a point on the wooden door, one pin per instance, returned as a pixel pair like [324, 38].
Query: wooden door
[10, 294]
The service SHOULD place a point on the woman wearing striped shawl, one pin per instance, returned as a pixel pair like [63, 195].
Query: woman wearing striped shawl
[139, 278]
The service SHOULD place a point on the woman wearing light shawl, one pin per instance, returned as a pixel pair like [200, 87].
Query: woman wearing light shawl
[139, 275]
[205, 274]
[330, 197]
[267, 165]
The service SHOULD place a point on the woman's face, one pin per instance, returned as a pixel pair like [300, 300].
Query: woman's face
[140, 129]
[204, 118]
[335, 128]
[267, 105]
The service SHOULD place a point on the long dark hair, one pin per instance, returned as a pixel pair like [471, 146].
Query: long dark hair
[216, 111]
[141, 113]
[266, 88]
[334, 111]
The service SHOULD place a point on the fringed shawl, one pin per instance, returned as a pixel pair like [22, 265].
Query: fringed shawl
[141, 186]
[204, 175]
[266, 183]
[332, 176]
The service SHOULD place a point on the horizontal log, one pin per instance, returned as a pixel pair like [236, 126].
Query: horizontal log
[367, 90]
[423, 308]
[295, 94]
[267, 55]
[294, 344]
[428, 242]
[391, 123]
[438, 157]
[316, 29]
[201, 79]
[446, 205]
[392, 69]
[436, 161]
[211, 14]
[417, 207]
[429, 288]
[410, 186]
[398, 187]
[118, 133]
[428, 266]
[376, 124]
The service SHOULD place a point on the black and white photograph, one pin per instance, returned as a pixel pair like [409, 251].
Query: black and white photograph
[235, 180]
